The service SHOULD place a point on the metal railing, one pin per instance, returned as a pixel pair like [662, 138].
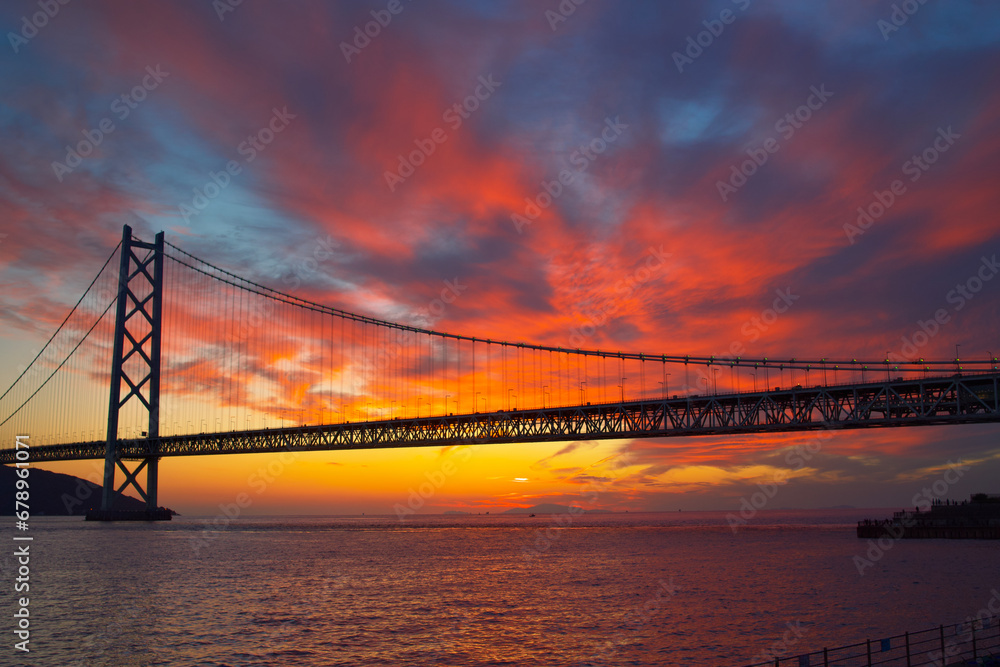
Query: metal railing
[975, 642]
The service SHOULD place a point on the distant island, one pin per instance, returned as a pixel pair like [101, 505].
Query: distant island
[552, 508]
[56, 494]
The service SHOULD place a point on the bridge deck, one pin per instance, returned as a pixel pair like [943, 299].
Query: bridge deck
[943, 400]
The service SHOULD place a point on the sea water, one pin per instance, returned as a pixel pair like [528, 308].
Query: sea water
[575, 589]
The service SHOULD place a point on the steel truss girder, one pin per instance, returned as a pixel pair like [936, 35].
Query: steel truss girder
[972, 399]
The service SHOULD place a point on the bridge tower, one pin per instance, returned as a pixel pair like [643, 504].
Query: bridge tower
[135, 366]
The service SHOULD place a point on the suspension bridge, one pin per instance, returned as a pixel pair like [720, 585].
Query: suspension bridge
[202, 361]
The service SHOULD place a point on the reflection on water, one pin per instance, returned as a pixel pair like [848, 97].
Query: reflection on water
[476, 590]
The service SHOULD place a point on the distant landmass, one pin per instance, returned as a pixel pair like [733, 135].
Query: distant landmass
[552, 508]
[56, 494]
[456, 512]
[800, 509]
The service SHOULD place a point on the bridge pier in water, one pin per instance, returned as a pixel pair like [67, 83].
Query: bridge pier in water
[137, 337]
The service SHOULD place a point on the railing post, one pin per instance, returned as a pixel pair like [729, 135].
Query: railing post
[826, 658]
[942, 643]
[975, 652]
[869, 643]
[908, 664]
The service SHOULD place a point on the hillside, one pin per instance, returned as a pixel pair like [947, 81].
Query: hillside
[56, 494]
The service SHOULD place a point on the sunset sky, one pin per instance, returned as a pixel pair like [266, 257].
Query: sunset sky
[838, 158]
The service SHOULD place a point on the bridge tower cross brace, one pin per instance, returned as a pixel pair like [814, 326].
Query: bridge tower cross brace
[135, 361]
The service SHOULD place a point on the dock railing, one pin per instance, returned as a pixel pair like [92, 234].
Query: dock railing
[975, 642]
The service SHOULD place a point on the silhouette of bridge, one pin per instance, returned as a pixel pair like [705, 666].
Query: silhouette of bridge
[202, 361]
